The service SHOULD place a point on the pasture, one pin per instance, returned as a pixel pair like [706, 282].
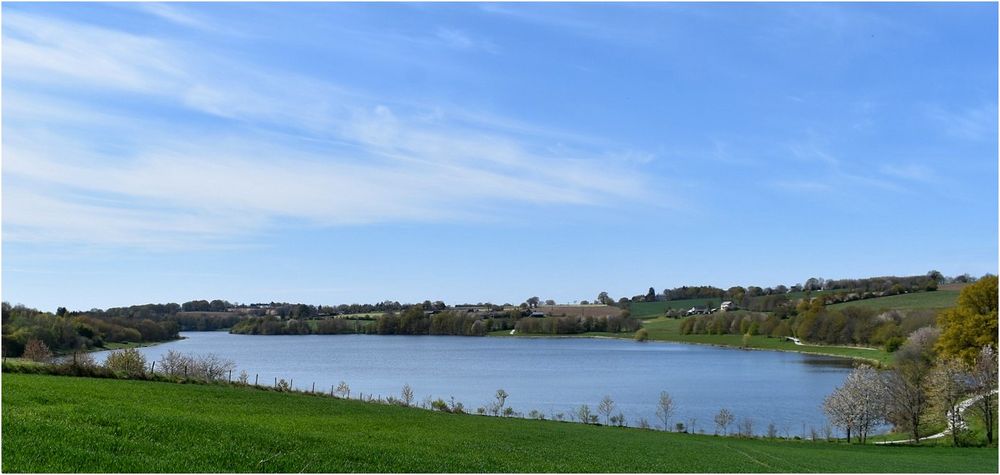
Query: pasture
[68, 424]
[936, 300]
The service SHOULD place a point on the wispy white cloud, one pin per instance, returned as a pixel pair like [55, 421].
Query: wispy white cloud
[909, 171]
[289, 148]
[972, 123]
[174, 13]
[461, 40]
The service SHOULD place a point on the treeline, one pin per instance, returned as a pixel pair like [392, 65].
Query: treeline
[415, 321]
[877, 286]
[275, 326]
[573, 325]
[189, 316]
[817, 324]
[65, 333]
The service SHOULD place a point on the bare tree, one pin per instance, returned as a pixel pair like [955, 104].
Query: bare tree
[906, 386]
[36, 350]
[907, 383]
[984, 383]
[746, 427]
[605, 408]
[501, 396]
[407, 395]
[665, 409]
[948, 383]
[722, 421]
[583, 413]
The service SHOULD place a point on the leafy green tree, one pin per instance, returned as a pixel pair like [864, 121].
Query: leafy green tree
[972, 324]
[651, 295]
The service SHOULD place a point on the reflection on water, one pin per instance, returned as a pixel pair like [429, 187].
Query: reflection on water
[822, 362]
[551, 375]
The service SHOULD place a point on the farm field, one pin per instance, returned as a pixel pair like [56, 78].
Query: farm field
[63, 424]
[938, 299]
[656, 309]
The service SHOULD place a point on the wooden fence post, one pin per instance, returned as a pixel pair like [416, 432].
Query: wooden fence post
[314, 386]
[152, 368]
[255, 378]
[230, 376]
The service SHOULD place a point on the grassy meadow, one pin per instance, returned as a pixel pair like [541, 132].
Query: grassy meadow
[68, 424]
[646, 310]
[936, 300]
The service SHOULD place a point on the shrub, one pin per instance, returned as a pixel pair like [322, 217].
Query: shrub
[36, 350]
[439, 405]
[128, 361]
[641, 335]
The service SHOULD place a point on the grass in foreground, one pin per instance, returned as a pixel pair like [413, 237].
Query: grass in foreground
[62, 424]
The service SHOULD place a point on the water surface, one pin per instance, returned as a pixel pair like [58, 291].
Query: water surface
[551, 375]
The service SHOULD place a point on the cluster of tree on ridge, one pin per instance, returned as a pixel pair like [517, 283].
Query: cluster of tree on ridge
[69, 333]
[879, 286]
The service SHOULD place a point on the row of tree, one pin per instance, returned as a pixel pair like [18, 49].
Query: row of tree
[573, 325]
[885, 285]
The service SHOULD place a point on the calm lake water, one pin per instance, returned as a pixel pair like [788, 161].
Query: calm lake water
[552, 375]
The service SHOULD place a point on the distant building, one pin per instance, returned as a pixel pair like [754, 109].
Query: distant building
[727, 306]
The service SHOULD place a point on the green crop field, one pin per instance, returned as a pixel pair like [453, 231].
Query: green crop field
[66, 424]
[656, 309]
[938, 299]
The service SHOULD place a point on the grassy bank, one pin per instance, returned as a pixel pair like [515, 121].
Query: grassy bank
[668, 329]
[61, 424]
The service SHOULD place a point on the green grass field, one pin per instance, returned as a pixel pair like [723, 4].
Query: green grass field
[939, 299]
[668, 329]
[657, 309]
[66, 424]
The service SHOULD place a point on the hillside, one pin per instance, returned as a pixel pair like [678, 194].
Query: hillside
[936, 300]
[62, 424]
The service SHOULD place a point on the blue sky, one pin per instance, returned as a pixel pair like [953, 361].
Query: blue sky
[337, 153]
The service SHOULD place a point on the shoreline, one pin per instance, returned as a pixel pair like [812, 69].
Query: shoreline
[124, 346]
[718, 345]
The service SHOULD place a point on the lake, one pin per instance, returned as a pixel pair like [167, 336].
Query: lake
[551, 375]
